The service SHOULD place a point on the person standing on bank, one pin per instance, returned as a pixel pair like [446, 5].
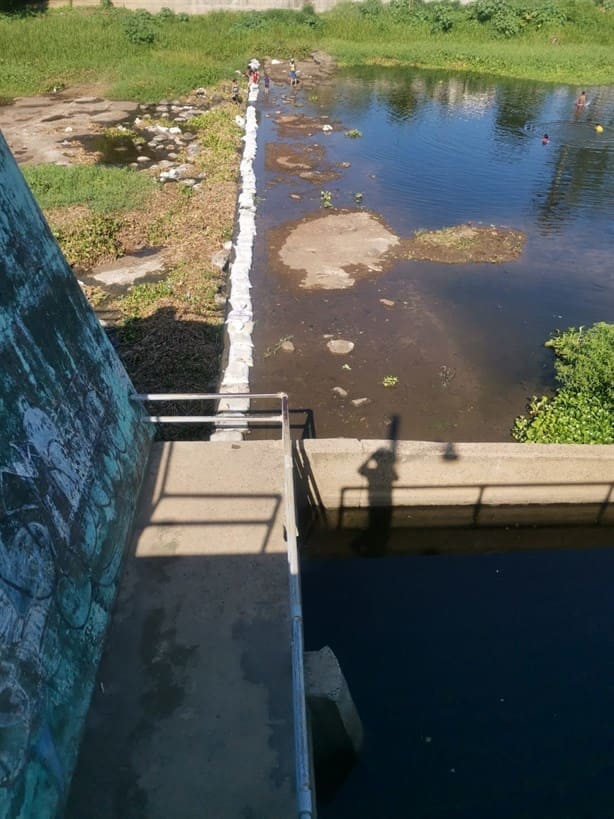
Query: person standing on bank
[267, 83]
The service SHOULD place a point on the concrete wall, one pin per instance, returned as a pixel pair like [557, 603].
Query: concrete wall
[205, 6]
[73, 450]
[429, 483]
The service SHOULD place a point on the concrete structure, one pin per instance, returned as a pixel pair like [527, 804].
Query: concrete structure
[429, 483]
[205, 6]
[192, 716]
[72, 452]
[192, 712]
[337, 733]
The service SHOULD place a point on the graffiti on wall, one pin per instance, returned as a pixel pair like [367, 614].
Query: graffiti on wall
[73, 446]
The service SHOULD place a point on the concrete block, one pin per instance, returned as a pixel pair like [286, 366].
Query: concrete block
[336, 728]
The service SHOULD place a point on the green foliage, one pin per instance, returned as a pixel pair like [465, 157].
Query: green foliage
[568, 418]
[220, 137]
[90, 240]
[509, 17]
[371, 8]
[585, 360]
[166, 14]
[142, 296]
[582, 410]
[147, 57]
[102, 189]
[444, 16]
[139, 27]
[326, 199]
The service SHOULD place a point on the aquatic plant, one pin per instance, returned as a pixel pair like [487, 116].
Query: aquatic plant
[390, 380]
[582, 409]
[326, 199]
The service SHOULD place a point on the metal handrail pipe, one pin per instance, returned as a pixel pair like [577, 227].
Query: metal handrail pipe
[221, 420]
[304, 789]
[197, 396]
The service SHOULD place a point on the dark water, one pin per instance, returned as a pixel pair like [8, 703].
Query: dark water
[437, 151]
[481, 661]
[485, 682]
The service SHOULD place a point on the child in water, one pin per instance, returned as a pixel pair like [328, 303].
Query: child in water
[545, 139]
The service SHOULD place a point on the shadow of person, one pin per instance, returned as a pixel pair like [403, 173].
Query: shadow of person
[380, 473]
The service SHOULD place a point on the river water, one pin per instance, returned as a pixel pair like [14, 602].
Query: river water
[465, 342]
[481, 661]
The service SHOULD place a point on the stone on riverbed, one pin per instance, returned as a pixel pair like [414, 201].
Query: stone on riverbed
[340, 346]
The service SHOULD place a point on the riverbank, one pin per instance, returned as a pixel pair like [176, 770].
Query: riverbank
[141, 56]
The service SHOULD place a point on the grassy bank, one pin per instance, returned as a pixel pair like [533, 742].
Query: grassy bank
[169, 332]
[143, 56]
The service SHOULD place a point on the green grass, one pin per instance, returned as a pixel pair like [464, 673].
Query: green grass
[102, 189]
[147, 57]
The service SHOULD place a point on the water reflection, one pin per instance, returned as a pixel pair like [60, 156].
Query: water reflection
[438, 150]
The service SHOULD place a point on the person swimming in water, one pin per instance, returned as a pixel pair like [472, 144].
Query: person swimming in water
[545, 139]
[581, 101]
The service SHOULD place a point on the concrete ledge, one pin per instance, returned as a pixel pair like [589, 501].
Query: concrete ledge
[466, 483]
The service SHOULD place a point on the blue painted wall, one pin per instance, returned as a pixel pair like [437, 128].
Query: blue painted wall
[73, 449]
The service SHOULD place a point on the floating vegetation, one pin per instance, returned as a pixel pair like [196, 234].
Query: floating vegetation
[353, 133]
[447, 375]
[326, 199]
[275, 348]
[390, 381]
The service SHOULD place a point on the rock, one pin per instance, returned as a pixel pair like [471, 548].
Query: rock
[339, 346]
[220, 300]
[142, 160]
[340, 392]
[174, 130]
[387, 302]
[221, 259]
[327, 128]
[287, 346]
[360, 402]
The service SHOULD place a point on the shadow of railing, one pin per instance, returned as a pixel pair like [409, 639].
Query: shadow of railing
[473, 497]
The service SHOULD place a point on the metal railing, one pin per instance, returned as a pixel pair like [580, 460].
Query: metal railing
[228, 418]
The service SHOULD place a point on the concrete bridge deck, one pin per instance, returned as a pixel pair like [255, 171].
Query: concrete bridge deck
[192, 715]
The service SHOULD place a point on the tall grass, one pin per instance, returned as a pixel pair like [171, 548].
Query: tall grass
[143, 56]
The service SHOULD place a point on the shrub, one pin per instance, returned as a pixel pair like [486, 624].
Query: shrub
[582, 410]
[139, 27]
[371, 8]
